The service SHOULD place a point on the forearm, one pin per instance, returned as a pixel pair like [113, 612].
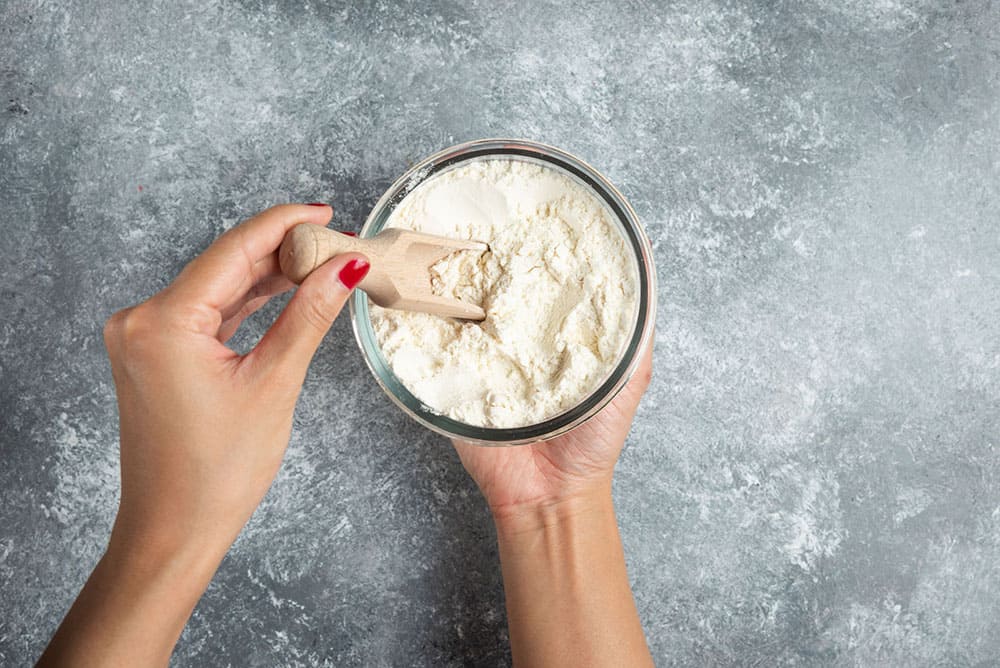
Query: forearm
[568, 597]
[133, 607]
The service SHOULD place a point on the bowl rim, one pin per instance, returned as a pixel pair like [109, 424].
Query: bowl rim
[635, 236]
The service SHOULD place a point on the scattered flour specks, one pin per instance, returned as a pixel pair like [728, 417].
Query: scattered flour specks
[814, 526]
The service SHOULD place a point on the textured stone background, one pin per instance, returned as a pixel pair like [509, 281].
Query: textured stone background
[813, 478]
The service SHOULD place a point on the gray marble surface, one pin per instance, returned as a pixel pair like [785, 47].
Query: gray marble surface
[813, 476]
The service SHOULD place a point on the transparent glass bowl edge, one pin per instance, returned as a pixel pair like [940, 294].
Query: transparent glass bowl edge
[641, 337]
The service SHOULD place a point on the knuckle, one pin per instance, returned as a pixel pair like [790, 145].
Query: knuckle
[113, 327]
[645, 377]
[318, 308]
[138, 323]
[184, 317]
[130, 331]
[279, 211]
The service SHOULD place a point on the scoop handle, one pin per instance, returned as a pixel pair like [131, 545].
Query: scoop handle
[306, 247]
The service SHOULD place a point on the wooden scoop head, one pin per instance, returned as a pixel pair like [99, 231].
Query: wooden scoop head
[399, 277]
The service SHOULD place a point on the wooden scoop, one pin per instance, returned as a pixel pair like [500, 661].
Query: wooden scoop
[399, 277]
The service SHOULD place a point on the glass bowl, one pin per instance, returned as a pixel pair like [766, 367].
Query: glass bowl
[628, 225]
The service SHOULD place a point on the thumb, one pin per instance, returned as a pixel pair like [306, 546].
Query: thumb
[292, 340]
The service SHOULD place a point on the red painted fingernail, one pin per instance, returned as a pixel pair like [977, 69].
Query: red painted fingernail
[315, 204]
[350, 234]
[353, 273]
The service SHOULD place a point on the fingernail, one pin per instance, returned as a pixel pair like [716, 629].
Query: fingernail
[350, 234]
[315, 204]
[353, 273]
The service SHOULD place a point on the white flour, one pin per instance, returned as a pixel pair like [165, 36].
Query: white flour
[558, 287]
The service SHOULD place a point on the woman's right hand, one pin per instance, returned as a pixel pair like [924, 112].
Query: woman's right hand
[569, 602]
[566, 469]
[203, 432]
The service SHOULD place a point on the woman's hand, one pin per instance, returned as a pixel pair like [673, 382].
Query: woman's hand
[203, 432]
[567, 468]
[203, 429]
[568, 597]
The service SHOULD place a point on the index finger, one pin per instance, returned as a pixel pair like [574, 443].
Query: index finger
[241, 257]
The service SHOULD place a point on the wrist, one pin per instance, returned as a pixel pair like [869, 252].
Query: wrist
[566, 587]
[184, 565]
[553, 513]
[135, 604]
